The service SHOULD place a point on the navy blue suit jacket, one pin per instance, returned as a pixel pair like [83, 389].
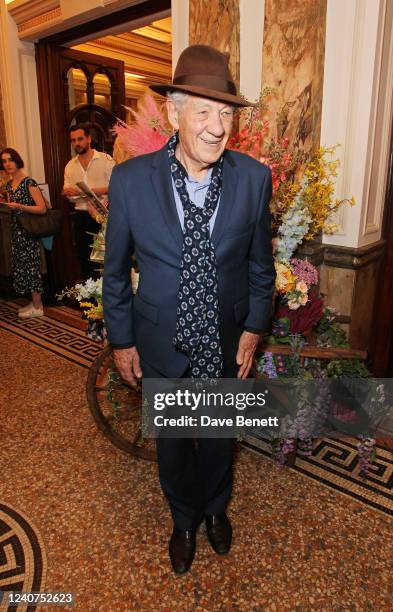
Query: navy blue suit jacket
[143, 221]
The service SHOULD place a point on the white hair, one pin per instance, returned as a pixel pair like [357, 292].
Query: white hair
[179, 98]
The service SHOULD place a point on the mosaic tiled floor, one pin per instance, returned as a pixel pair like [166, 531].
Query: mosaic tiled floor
[298, 546]
[60, 331]
[333, 463]
[22, 555]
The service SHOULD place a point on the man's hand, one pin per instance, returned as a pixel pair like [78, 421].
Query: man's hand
[245, 353]
[71, 191]
[127, 362]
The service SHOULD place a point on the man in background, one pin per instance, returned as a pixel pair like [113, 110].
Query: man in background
[93, 168]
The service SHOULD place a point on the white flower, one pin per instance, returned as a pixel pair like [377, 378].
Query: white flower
[301, 286]
[293, 304]
[90, 289]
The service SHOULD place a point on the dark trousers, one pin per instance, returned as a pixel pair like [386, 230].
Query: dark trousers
[196, 475]
[83, 224]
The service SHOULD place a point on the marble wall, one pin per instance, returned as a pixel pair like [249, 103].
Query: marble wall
[217, 23]
[293, 61]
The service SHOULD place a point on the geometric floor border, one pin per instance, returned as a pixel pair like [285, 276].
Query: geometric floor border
[334, 463]
[51, 334]
[22, 557]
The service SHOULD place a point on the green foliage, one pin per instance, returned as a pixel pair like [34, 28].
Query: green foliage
[355, 368]
[329, 332]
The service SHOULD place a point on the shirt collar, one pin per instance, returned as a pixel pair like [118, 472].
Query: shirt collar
[205, 181]
[95, 156]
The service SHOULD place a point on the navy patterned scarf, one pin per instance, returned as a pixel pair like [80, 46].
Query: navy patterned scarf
[197, 325]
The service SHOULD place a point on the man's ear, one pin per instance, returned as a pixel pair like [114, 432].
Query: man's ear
[173, 114]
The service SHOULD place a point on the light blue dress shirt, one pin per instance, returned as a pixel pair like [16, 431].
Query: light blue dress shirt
[197, 193]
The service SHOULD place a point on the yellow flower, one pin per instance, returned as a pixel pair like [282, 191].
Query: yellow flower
[330, 227]
[95, 315]
[285, 279]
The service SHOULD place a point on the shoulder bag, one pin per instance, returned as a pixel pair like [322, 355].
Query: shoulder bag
[39, 226]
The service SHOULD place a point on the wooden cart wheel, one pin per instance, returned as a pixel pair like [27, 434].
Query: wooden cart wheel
[116, 408]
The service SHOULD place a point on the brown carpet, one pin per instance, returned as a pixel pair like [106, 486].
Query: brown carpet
[104, 525]
[334, 463]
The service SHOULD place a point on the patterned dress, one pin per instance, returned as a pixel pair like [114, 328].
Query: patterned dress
[26, 252]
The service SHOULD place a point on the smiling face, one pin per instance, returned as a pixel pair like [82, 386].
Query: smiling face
[204, 127]
[10, 167]
[80, 142]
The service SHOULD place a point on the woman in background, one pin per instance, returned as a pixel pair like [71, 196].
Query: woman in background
[24, 195]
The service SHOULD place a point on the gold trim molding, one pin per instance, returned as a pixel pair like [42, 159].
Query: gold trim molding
[36, 18]
[32, 13]
[39, 20]
[135, 44]
[147, 57]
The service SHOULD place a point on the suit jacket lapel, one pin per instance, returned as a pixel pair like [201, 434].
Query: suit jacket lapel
[227, 200]
[162, 182]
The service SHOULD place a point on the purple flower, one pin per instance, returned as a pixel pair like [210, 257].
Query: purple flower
[269, 368]
[305, 271]
[366, 454]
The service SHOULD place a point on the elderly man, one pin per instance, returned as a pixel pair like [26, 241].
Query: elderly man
[197, 218]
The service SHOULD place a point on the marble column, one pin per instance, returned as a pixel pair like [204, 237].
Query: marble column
[293, 61]
[217, 23]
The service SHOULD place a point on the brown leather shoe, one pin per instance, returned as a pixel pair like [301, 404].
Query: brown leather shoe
[219, 532]
[182, 550]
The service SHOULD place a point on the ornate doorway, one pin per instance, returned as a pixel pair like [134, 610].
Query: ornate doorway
[74, 87]
[93, 92]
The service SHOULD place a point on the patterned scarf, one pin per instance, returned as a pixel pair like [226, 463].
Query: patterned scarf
[197, 325]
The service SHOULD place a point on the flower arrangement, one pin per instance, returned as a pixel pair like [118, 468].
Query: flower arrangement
[302, 207]
[149, 132]
[299, 306]
[89, 296]
[254, 140]
[294, 281]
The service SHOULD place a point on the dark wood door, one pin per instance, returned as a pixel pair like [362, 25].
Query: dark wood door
[382, 338]
[73, 87]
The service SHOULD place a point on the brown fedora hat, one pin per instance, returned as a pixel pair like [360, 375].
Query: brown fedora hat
[204, 71]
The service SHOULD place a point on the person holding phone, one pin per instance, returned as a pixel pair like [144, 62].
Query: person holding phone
[23, 195]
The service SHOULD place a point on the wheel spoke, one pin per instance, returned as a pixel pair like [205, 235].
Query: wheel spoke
[138, 438]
